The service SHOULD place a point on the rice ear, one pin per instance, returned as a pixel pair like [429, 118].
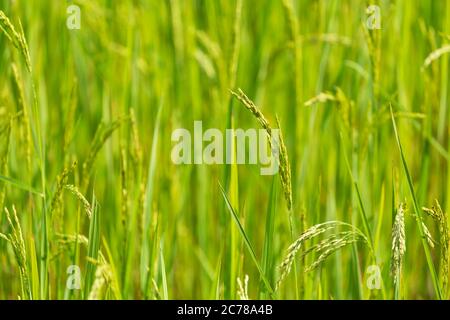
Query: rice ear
[17, 38]
[324, 249]
[284, 165]
[76, 192]
[441, 218]
[433, 56]
[398, 243]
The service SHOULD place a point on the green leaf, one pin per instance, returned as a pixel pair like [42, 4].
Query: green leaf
[246, 240]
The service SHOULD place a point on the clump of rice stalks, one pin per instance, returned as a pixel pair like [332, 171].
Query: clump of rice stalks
[322, 250]
[398, 244]
[15, 238]
[17, 38]
[441, 218]
[435, 55]
[285, 167]
[243, 288]
[74, 190]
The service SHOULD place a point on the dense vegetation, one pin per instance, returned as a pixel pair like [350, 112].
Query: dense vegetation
[357, 211]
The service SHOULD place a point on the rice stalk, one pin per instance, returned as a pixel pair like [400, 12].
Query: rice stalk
[16, 239]
[102, 282]
[104, 131]
[240, 95]
[293, 26]
[436, 54]
[428, 235]
[213, 52]
[26, 132]
[331, 38]
[137, 149]
[243, 288]
[417, 211]
[398, 246]
[322, 97]
[441, 218]
[235, 45]
[285, 168]
[124, 202]
[76, 192]
[124, 193]
[324, 249]
[284, 165]
[61, 182]
[5, 132]
[331, 245]
[156, 292]
[373, 39]
[339, 97]
[17, 38]
[212, 48]
[66, 239]
[70, 118]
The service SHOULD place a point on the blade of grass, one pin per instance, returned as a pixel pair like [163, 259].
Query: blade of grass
[418, 212]
[34, 271]
[93, 247]
[246, 240]
[268, 240]
[145, 259]
[163, 272]
[21, 185]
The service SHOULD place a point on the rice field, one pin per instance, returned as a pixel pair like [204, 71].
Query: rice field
[93, 205]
